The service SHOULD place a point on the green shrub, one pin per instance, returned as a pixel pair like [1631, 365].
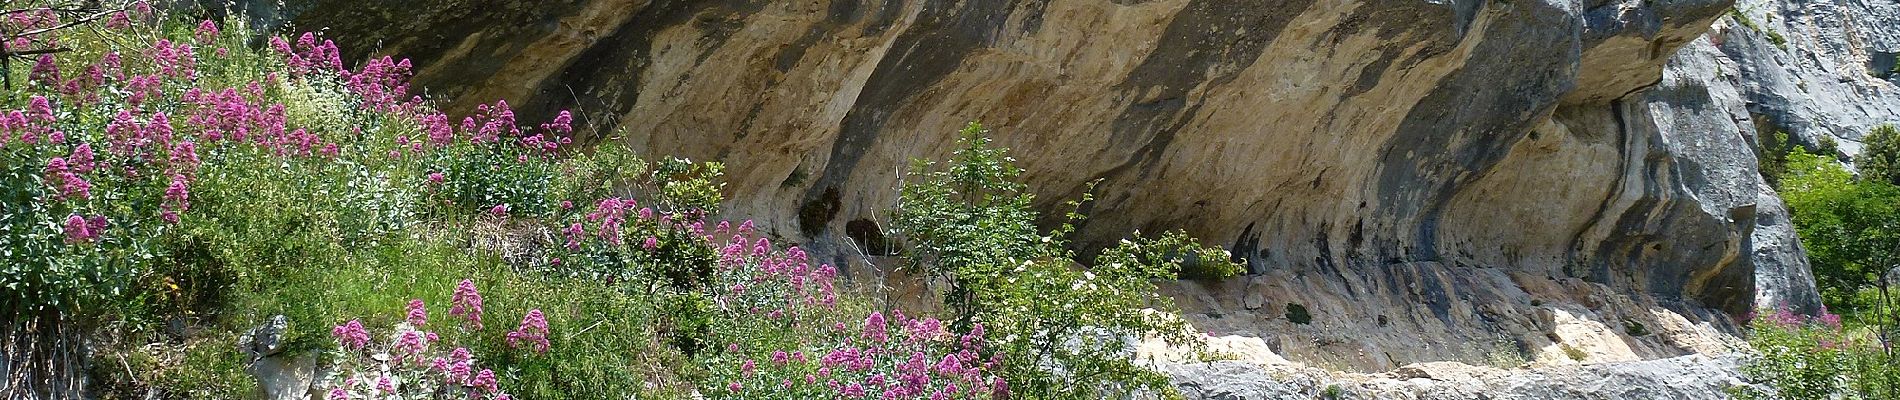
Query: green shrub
[1064, 328]
[1818, 358]
[1879, 157]
[1845, 224]
[1574, 353]
[1297, 314]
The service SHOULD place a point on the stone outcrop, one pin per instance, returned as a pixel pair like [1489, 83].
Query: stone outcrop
[1692, 377]
[1460, 173]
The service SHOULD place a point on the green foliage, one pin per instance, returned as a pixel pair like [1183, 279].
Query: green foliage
[480, 177]
[209, 370]
[1634, 328]
[1849, 227]
[1063, 326]
[1879, 157]
[1574, 353]
[1774, 37]
[970, 225]
[1297, 314]
[1772, 158]
[1816, 359]
[1332, 392]
[1176, 251]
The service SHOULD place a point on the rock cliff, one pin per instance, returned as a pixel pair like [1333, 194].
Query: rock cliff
[1482, 177]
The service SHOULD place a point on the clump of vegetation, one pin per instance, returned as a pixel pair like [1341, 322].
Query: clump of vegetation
[1773, 37]
[1879, 157]
[1820, 358]
[1332, 392]
[1634, 328]
[1297, 314]
[165, 171]
[1574, 353]
[1845, 225]
[1063, 327]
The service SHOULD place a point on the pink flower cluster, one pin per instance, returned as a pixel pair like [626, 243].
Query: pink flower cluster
[309, 56]
[122, 20]
[1785, 317]
[416, 313]
[381, 83]
[351, 335]
[65, 177]
[881, 356]
[491, 123]
[610, 213]
[174, 60]
[83, 229]
[467, 304]
[885, 360]
[448, 375]
[32, 124]
[532, 333]
[207, 32]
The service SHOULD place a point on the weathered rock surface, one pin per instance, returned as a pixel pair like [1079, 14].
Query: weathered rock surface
[1814, 69]
[1452, 173]
[1691, 377]
[1821, 71]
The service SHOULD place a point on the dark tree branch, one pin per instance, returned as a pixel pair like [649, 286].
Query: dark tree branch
[23, 53]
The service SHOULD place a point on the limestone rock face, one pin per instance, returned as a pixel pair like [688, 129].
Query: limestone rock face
[1448, 172]
[1692, 377]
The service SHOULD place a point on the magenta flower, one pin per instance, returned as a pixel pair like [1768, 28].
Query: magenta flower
[184, 155]
[417, 313]
[76, 229]
[438, 128]
[69, 184]
[651, 243]
[412, 343]
[574, 233]
[874, 328]
[338, 394]
[207, 32]
[533, 331]
[119, 21]
[177, 198]
[351, 335]
[81, 158]
[45, 71]
[385, 385]
[460, 364]
[436, 178]
[499, 210]
[486, 381]
[40, 109]
[467, 303]
[562, 124]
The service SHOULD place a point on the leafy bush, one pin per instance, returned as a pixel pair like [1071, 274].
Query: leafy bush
[1062, 330]
[1879, 158]
[1805, 358]
[1845, 224]
[786, 336]
[1297, 314]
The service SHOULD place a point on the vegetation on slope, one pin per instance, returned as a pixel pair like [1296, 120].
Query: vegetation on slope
[1850, 227]
[168, 187]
